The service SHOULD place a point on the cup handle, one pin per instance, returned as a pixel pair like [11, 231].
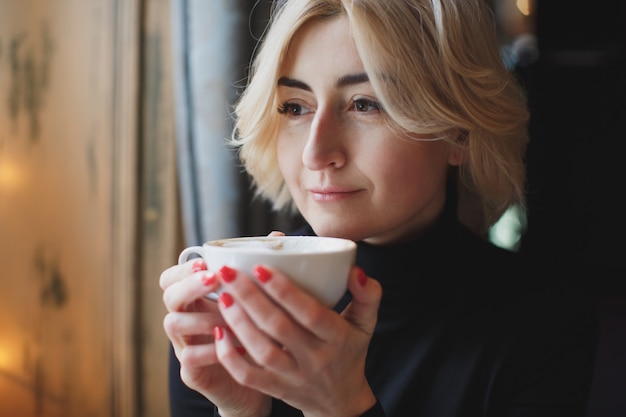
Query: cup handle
[187, 252]
[184, 257]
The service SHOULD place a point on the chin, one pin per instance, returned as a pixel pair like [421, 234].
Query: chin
[341, 231]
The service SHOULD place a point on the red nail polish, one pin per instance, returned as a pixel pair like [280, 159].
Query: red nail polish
[209, 279]
[218, 333]
[199, 266]
[240, 350]
[262, 274]
[226, 300]
[228, 274]
[362, 278]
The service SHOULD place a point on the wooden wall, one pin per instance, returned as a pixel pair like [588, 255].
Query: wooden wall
[87, 207]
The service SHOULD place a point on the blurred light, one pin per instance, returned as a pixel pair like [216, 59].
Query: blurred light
[10, 176]
[524, 7]
[507, 232]
[6, 359]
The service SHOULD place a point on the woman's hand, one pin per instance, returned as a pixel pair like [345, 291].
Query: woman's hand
[296, 349]
[189, 325]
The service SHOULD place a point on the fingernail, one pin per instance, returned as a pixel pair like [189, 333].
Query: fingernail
[218, 333]
[241, 350]
[209, 279]
[199, 266]
[262, 274]
[228, 274]
[362, 278]
[226, 300]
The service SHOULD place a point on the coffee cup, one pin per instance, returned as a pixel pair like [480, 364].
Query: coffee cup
[318, 265]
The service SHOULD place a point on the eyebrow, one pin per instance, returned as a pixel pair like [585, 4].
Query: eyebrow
[290, 82]
[352, 79]
[346, 80]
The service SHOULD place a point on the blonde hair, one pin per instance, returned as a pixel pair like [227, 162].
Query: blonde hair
[435, 67]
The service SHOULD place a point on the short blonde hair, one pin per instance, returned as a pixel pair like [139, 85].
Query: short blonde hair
[436, 69]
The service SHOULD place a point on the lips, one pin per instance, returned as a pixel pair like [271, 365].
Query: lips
[331, 194]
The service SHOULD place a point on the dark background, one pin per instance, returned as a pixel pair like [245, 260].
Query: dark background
[576, 167]
[576, 170]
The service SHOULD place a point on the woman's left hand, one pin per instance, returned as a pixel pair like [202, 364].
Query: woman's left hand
[298, 350]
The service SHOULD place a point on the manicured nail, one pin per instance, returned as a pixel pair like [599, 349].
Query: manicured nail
[228, 274]
[361, 277]
[218, 333]
[262, 274]
[209, 279]
[226, 300]
[240, 350]
[199, 266]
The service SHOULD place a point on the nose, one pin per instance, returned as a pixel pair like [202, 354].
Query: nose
[325, 147]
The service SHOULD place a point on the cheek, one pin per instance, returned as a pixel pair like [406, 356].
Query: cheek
[412, 173]
[289, 159]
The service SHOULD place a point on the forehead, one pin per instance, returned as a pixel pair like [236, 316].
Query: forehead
[322, 47]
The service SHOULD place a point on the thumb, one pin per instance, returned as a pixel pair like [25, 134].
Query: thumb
[276, 233]
[366, 292]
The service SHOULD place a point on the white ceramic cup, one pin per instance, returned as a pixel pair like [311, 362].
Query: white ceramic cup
[319, 265]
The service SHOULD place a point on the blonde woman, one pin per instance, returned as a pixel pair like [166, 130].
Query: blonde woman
[395, 124]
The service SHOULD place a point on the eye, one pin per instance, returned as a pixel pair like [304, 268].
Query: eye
[293, 109]
[365, 105]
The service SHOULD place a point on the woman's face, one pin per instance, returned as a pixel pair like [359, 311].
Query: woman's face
[349, 174]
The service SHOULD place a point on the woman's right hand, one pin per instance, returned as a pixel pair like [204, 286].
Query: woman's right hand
[189, 325]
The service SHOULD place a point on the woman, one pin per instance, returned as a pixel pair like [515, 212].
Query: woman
[392, 123]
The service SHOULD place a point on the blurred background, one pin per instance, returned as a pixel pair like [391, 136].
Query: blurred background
[113, 115]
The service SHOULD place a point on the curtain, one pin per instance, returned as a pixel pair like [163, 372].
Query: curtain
[213, 41]
[207, 54]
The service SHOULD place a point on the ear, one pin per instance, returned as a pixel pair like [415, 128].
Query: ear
[458, 153]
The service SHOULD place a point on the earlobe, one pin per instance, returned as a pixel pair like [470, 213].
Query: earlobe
[458, 155]
[459, 151]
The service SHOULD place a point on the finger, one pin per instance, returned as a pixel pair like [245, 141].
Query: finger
[256, 322]
[233, 358]
[169, 276]
[308, 312]
[366, 294]
[181, 294]
[276, 233]
[178, 272]
[189, 329]
[178, 325]
[195, 356]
